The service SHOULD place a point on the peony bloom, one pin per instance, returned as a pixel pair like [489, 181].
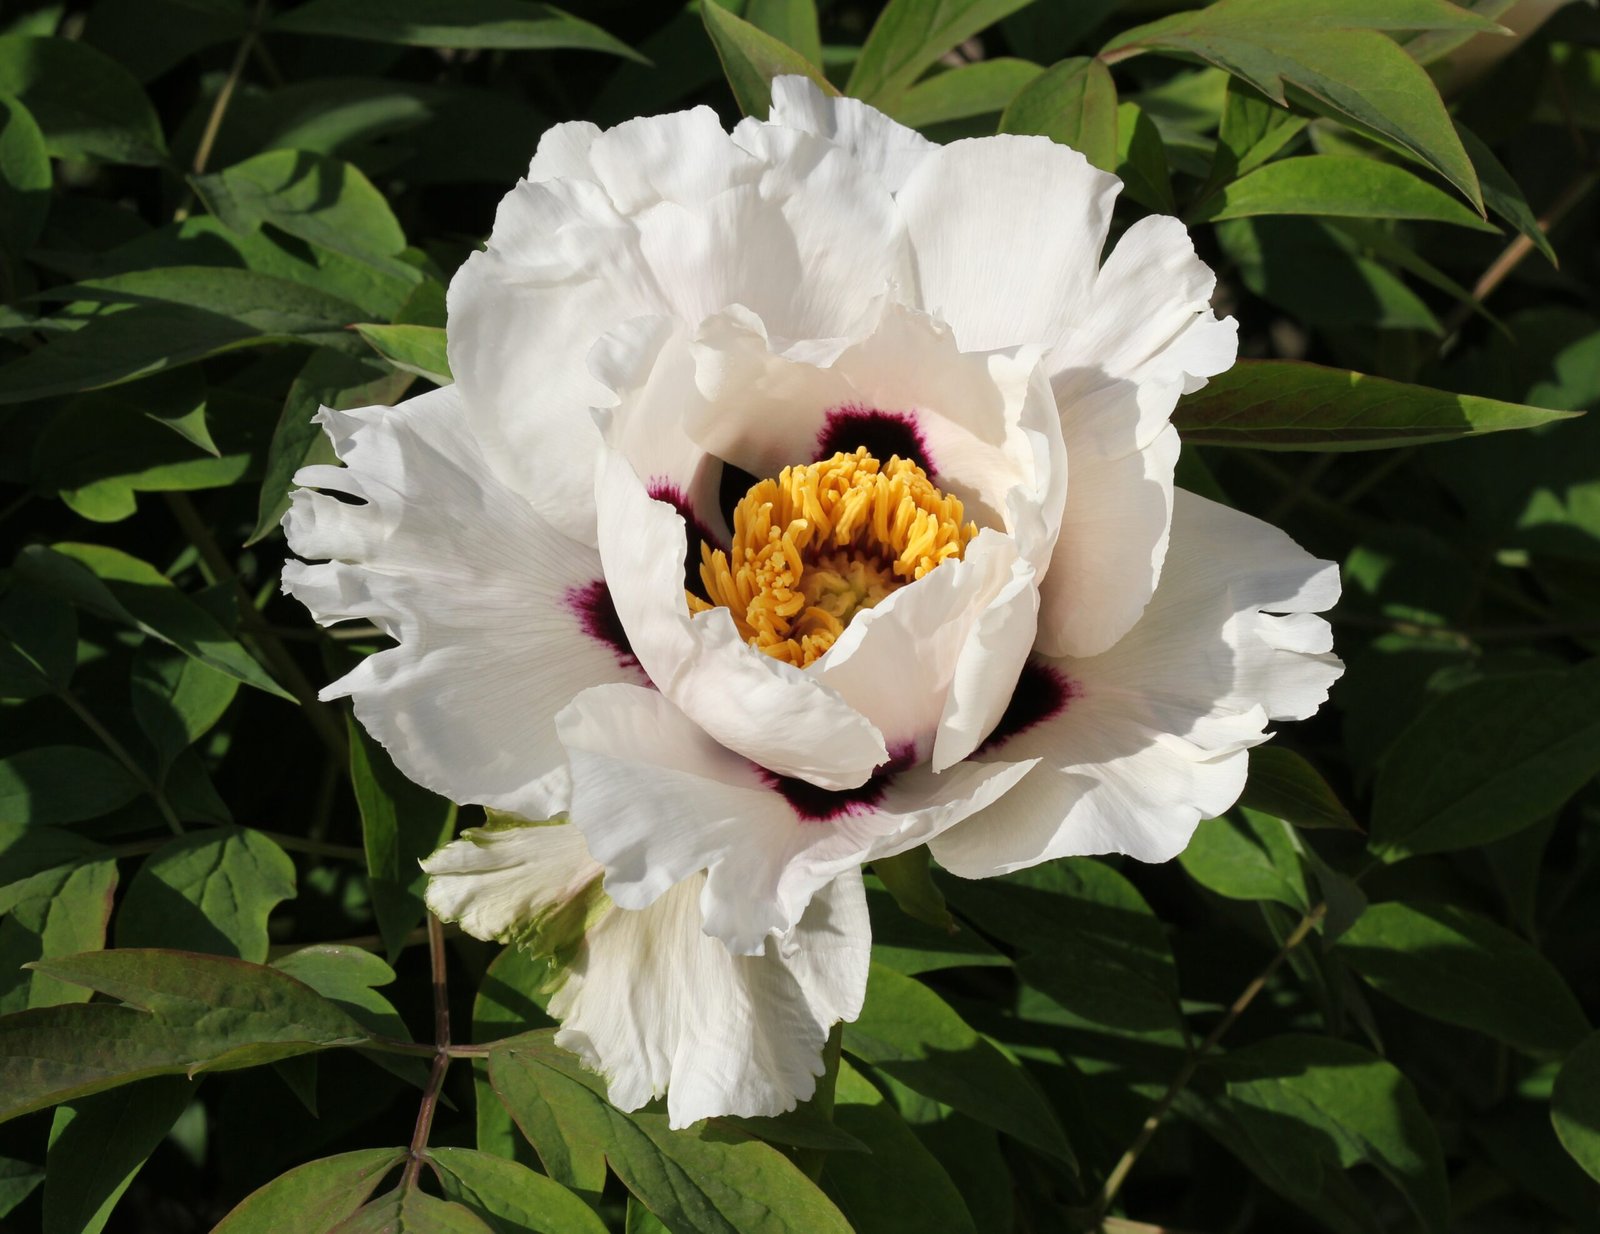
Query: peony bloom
[804, 495]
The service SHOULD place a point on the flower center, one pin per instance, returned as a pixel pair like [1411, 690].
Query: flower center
[823, 541]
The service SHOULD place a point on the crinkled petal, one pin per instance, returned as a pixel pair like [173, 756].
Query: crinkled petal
[493, 609]
[1144, 337]
[886, 148]
[661, 216]
[1112, 542]
[510, 884]
[770, 712]
[657, 1006]
[1006, 235]
[1138, 744]
[658, 801]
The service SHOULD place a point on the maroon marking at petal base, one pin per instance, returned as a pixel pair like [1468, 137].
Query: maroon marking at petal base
[884, 433]
[821, 805]
[662, 489]
[1041, 694]
[597, 614]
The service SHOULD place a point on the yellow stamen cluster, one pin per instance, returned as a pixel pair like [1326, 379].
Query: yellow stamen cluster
[824, 541]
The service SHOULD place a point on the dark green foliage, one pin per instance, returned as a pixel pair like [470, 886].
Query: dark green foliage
[1363, 1000]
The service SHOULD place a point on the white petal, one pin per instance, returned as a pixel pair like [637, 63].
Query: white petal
[658, 800]
[887, 149]
[664, 216]
[982, 424]
[1144, 337]
[1112, 542]
[494, 610]
[563, 152]
[897, 663]
[1141, 742]
[657, 1006]
[504, 883]
[1006, 234]
[772, 713]
[562, 269]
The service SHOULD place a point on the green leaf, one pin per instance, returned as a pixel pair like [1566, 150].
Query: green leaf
[1575, 1105]
[910, 1033]
[1454, 966]
[401, 824]
[793, 22]
[1289, 405]
[1253, 129]
[1311, 270]
[922, 1196]
[909, 879]
[978, 89]
[124, 345]
[87, 105]
[1142, 160]
[1252, 857]
[409, 1211]
[1329, 56]
[188, 1013]
[1087, 939]
[62, 784]
[123, 589]
[18, 1179]
[267, 305]
[320, 199]
[509, 25]
[56, 900]
[38, 641]
[751, 58]
[348, 976]
[209, 891]
[909, 36]
[176, 699]
[25, 178]
[1487, 760]
[329, 379]
[708, 1178]
[1074, 103]
[98, 1144]
[315, 1197]
[510, 1198]
[1502, 195]
[1347, 186]
[418, 350]
[1284, 785]
[910, 946]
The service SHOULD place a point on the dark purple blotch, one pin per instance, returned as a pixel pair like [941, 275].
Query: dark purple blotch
[1041, 693]
[884, 433]
[597, 614]
[821, 805]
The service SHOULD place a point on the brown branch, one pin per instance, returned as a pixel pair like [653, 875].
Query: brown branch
[1502, 266]
[1119, 1172]
[441, 1056]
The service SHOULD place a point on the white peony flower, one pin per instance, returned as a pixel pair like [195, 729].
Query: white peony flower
[804, 496]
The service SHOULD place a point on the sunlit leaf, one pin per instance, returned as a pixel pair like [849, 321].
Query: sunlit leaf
[1290, 405]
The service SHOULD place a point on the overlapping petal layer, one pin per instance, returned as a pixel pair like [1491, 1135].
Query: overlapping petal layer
[668, 316]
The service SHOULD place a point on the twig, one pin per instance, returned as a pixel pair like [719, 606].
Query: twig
[278, 659]
[441, 1057]
[120, 753]
[1119, 1172]
[219, 105]
[1502, 266]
